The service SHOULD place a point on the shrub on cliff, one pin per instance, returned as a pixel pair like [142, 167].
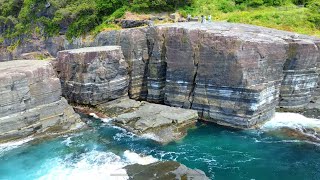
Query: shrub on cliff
[21, 18]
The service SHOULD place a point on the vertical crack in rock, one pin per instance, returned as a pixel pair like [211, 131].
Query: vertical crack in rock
[157, 65]
[196, 60]
[194, 84]
[150, 46]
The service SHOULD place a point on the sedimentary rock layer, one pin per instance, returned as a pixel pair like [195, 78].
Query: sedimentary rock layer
[161, 122]
[30, 100]
[232, 74]
[93, 75]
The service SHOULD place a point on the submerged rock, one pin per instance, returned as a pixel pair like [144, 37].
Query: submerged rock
[165, 170]
[93, 75]
[31, 102]
[159, 122]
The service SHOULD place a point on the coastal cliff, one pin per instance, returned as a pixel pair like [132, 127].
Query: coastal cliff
[31, 102]
[92, 75]
[233, 74]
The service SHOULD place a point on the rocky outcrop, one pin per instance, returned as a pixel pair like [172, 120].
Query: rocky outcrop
[164, 170]
[93, 75]
[233, 74]
[230, 77]
[31, 102]
[125, 23]
[162, 123]
[300, 74]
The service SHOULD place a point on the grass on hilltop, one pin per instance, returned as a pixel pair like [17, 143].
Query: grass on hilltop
[22, 18]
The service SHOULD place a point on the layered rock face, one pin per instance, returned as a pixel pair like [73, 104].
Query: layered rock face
[229, 76]
[134, 46]
[31, 102]
[162, 123]
[93, 75]
[233, 74]
[300, 74]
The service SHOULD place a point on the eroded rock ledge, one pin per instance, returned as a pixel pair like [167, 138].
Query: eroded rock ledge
[31, 102]
[158, 122]
[233, 74]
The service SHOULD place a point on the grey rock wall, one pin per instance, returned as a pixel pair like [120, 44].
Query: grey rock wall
[233, 74]
[31, 102]
[93, 75]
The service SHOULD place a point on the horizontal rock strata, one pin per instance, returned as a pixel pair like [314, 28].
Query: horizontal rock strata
[233, 74]
[93, 75]
[160, 122]
[31, 102]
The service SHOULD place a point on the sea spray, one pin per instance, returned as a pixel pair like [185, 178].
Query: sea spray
[293, 124]
[95, 165]
[222, 153]
[13, 144]
[91, 165]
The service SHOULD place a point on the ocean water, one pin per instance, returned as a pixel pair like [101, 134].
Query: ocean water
[102, 151]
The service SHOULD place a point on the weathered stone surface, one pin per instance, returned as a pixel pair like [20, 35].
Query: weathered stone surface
[161, 122]
[125, 23]
[233, 74]
[164, 170]
[93, 75]
[300, 74]
[219, 71]
[30, 100]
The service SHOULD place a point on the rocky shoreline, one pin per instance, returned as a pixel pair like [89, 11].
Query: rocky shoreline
[31, 101]
[232, 74]
[158, 81]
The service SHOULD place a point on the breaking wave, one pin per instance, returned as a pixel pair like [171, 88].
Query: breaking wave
[13, 144]
[294, 125]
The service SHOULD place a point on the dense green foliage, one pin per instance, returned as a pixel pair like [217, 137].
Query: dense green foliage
[300, 16]
[22, 18]
[72, 17]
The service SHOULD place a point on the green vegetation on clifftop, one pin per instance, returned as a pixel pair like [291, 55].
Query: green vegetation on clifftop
[301, 16]
[22, 18]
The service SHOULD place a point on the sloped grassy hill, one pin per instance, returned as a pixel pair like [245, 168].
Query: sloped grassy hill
[22, 18]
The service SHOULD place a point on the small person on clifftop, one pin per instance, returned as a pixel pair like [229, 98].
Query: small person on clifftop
[189, 18]
[203, 19]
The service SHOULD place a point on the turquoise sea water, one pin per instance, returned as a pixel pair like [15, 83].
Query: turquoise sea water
[98, 153]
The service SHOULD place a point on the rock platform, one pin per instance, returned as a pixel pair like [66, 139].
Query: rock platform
[158, 122]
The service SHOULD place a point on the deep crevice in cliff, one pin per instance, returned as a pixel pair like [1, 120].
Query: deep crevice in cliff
[194, 84]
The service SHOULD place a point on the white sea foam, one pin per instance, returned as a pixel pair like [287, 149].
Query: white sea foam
[14, 144]
[308, 128]
[133, 157]
[93, 165]
[94, 115]
[151, 136]
[67, 141]
[291, 120]
[106, 120]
